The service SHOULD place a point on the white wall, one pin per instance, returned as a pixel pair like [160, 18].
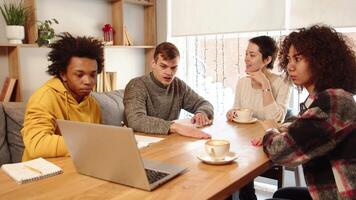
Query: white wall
[162, 20]
[79, 17]
[125, 64]
[34, 64]
[134, 22]
[128, 63]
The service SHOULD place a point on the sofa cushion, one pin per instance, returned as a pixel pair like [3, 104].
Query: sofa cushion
[14, 112]
[112, 106]
[4, 149]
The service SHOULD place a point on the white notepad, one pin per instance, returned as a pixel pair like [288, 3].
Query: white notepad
[28, 171]
[144, 141]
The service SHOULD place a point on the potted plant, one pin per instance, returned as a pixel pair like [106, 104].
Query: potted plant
[15, 17]
[45, 31]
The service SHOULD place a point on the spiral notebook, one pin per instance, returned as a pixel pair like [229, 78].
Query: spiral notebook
[32, 170]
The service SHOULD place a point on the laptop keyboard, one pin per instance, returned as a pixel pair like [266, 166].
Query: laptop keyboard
[154, 175]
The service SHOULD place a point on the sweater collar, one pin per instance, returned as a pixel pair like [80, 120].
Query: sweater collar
[159, 84]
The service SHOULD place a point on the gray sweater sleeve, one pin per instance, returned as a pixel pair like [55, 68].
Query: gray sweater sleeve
[136, 112]
[194, 103]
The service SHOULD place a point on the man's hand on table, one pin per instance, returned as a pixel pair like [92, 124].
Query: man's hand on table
[201, 120]
[188, 131]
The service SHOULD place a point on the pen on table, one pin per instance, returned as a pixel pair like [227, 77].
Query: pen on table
[33, 169]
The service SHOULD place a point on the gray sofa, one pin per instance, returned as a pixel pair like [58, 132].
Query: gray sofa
[12, 116]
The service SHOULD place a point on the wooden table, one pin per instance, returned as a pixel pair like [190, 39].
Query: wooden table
[200, 181]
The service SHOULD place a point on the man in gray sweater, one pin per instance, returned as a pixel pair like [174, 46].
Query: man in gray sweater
[153, 101]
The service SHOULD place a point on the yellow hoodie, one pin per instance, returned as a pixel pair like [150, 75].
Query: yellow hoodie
[52, 101]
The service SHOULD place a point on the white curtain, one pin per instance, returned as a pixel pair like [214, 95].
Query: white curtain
[200, 17]
[336, 13]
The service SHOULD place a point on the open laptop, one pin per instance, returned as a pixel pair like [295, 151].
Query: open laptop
[111, 153]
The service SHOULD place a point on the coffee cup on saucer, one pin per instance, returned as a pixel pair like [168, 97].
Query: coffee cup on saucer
[217, 149]
[243, 115]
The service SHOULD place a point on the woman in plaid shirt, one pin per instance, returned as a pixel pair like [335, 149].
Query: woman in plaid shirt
[323, 137]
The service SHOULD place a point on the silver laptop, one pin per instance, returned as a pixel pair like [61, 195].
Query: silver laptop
[111, 153]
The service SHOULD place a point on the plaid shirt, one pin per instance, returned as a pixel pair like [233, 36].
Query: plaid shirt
[323, 140]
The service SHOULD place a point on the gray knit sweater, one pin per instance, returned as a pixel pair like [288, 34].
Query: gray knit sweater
[150, 106]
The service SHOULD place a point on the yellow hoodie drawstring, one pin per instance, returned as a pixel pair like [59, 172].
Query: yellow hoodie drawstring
[91, 116]
[67, 112]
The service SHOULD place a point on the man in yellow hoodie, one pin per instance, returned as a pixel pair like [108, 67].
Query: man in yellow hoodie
[76, 61]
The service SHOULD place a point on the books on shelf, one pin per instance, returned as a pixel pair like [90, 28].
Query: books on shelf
[7, 89]
[127, 38]
[31, 170]
[99, 82]
[106, 81]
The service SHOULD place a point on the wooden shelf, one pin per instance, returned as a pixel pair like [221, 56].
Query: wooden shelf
[138, 2]
[17, 45]
[12, 51]
[129, 47]
[118, 10]
[106, 46]
[149, 21]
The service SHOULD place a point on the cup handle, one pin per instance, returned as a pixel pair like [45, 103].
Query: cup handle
[235, 115]
[211, 152]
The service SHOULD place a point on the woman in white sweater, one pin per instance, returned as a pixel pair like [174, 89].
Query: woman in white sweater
[262, 91]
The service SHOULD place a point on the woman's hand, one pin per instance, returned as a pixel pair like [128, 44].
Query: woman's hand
[230, 114]
[257, 142]
[260, 78]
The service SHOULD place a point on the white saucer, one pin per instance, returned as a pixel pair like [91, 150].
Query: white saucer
[253, 120]
[231, 156]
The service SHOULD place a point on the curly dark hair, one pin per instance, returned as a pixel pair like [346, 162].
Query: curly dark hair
[68, 46]
[330, 56]
[267, 47]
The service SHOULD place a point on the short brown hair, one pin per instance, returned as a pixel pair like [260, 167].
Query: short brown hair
[167, 50]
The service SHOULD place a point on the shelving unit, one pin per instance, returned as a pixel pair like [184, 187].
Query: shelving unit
[117, 8]
[130, 47]
[12, 52]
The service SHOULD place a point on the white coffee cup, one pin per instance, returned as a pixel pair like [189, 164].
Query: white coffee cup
[243, 114]
[217, 149]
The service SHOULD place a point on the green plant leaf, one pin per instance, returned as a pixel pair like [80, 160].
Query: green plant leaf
[15, 14]
[45, 31]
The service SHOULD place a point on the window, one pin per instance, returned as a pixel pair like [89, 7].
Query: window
[212, 64]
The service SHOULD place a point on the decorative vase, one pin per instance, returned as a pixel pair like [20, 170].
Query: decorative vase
[15, 34]
[108, 32]
[43, 38]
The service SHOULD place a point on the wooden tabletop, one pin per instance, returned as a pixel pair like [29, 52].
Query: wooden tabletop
[200, 181]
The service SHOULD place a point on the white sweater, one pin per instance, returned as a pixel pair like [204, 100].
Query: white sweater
[248, 97]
